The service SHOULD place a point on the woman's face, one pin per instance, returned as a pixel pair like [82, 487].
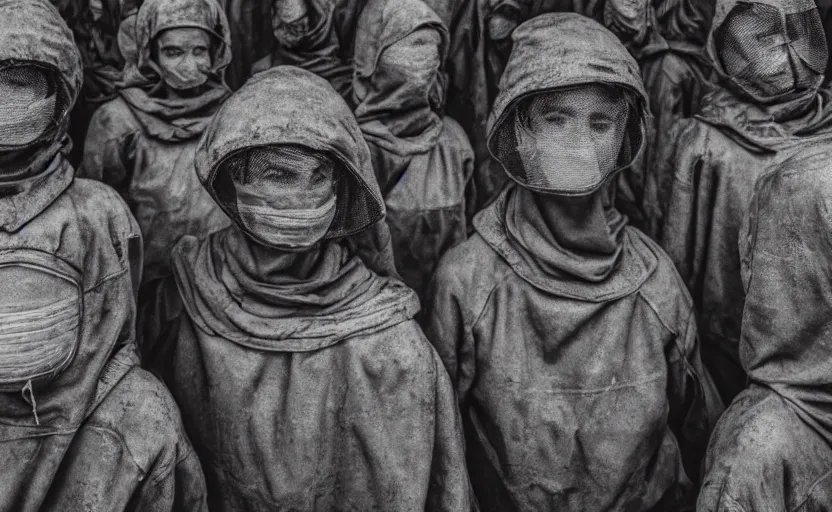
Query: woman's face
[184, 57]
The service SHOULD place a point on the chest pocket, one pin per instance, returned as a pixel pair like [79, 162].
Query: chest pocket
[41, 304]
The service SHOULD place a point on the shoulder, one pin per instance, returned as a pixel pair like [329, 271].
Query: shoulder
[113, 120]
[665, 291]
[99, 202]
[143, 413]
[470, 271]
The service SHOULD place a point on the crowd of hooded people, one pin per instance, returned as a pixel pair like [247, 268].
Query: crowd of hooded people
[400, 255]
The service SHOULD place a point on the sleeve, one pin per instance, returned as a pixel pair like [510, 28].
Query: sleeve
[689, 209]
[450, 488]
[106, 157]
[177, 485]
[160, 310]
[695, 404]
[446, 328]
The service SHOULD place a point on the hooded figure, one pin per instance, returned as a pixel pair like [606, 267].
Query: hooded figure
[318, 36]
[770, 56]
[81, 426]
[304, 380]
[143, 143]
[481, 47]
[772, 450]
[569, 335]
[422, 160]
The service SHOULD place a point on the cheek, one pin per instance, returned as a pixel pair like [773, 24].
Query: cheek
[608, 145]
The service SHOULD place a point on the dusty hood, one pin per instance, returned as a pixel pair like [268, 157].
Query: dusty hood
[288, 105]
[560, 50]
[33, 32]
[390, 114]
[786, 252]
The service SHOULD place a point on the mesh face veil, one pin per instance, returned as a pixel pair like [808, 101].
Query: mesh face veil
[283, 197]
[28, 106]
[769, 53]
[567, 141]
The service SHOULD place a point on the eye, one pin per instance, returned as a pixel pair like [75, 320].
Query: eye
[172, 53]
[601, 125]
[200, 51]
[555, 119]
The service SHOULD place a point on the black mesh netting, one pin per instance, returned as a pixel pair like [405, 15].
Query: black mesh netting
[742, 28]
[356, 209]
[548, 145]
[805, 31]
[31, 106]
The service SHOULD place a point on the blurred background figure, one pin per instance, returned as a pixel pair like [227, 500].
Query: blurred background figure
[421, 158]
[143, 142]
[347, 404]
[772, 449]
[569, 335]
[81, 426]
[770, 57]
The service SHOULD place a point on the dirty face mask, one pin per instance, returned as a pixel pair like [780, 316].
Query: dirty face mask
[27, 107]
[768, 54]
[285, 197]
[569, 141]
[183, 57]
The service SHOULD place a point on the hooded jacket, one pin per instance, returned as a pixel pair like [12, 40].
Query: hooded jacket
[143, 144]
[578, 375]
[715, 160]
[772, 449]
[304, 394]
[422, 160]
[97, 432]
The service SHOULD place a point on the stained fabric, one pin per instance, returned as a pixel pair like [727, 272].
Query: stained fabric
[349, 406]
[772, 449]
[88, 428]
[143, 143]
[715, 160]
[568, 334]
[322, 41]
[422, 159]
[251, 36]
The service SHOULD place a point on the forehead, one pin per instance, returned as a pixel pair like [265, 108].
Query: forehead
[592, 97]
[184, 36]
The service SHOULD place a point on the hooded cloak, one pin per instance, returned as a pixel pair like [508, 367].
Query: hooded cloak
[422, 160]
[143, 143]
[772, 449]
[98, 432]
[573, 348]
[715, 160]
[346, 404]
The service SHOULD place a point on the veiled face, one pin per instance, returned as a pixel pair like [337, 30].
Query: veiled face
[184, 56]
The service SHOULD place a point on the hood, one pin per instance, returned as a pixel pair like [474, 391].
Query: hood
[561, 50]
[34, 33]
[389, 114]
[142, 87]
[786, 251]
[788, 10]
[684, 20]
[309, 113]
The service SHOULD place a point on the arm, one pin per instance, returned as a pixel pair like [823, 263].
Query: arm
[695, 404]
[107, 155]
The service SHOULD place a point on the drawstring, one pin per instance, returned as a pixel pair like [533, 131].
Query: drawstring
[31, 400]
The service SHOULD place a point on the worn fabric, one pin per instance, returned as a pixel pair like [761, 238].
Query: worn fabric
[773, 448]
[143, 144]
[422, 160]
[568, 334]
[251, 37]
[715, 160]
[324, 44]
[95, 431]
[348, 405]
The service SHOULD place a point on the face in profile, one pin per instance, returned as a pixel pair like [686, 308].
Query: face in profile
[184, 57]
[571, 139]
